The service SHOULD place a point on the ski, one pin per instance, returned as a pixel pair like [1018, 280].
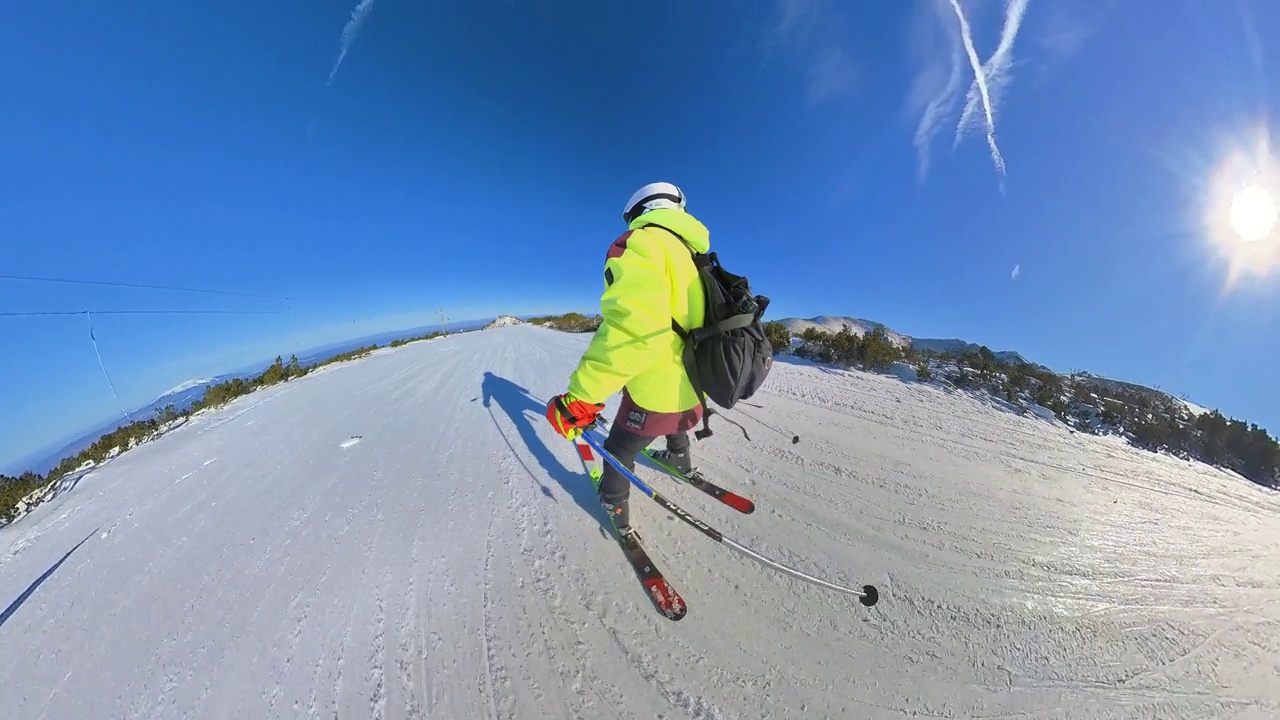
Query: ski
[733, 500]
[664, 596]
[868, 595]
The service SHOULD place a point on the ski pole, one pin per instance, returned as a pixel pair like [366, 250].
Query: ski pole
[868, 595]
[732, 499]
[794, 438]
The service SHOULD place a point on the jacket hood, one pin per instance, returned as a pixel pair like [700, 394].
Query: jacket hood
[679, 222]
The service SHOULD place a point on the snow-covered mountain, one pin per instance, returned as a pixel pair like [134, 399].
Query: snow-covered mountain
[184, 395]
[188, 385]
[503, 321]
[834, 323]
[404, 536]
[181, 397]
[955, 346]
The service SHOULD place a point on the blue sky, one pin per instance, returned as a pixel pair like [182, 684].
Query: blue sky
[476, 156]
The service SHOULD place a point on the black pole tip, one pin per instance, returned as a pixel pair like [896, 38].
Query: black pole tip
[870, 596]
[795, 439]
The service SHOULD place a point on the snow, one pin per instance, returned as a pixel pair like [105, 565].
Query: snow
[835, 324]
[1042, 412]
[41, 495]
[502, 321]
[903, 372]
[183, 387]
[1193, 408]
[859, 326]
[453, 563]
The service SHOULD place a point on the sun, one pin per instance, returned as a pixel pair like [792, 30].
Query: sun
[1242, 209]
[1253, 213]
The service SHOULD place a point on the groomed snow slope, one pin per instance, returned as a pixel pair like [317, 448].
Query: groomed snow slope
[403, 537]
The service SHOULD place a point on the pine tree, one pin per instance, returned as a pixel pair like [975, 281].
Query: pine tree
[922, 370]
[273, 374]
[778, 335]
[876, 351]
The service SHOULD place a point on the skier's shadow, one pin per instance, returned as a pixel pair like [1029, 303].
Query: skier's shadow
[524, 410]
[17, 603]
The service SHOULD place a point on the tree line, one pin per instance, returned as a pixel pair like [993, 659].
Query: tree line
[1147, 418]
[872, 350]
[569, 322]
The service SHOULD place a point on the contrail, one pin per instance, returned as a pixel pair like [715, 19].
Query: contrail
[996, 70]
[938, 108]
[349, 33]
[980, 80]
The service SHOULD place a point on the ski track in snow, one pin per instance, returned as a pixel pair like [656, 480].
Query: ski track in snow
[453, 563]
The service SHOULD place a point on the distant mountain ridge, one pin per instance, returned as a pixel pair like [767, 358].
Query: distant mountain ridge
[859, 326]
[187, 393]
[181, 397]
[836, 323]
[956, 346]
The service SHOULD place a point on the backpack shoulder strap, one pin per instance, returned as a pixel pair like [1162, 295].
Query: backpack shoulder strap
[691, 337]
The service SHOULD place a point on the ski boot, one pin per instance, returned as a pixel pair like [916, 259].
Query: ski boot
[681, 461]
[619, 514]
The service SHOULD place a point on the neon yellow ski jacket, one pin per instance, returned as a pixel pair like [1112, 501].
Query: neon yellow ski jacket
[650, 278]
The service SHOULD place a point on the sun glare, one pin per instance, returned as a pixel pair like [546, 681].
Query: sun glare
[1253, 213]
[1242, 213]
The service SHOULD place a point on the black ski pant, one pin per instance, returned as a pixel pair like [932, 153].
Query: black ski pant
[625, 446]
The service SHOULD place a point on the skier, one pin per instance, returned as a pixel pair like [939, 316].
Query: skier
[650, 279]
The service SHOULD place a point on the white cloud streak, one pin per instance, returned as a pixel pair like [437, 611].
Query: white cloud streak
[1017, 272]
[933, 102]
[795, 18]
[1065, 33]
[992, 78]
[349, 33]
[986, 88]
[832, 76]
[807, 30]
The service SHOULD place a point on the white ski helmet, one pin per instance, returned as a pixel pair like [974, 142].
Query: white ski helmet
[651, 197]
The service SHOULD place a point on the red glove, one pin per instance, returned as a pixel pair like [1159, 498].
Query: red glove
[570, 416]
